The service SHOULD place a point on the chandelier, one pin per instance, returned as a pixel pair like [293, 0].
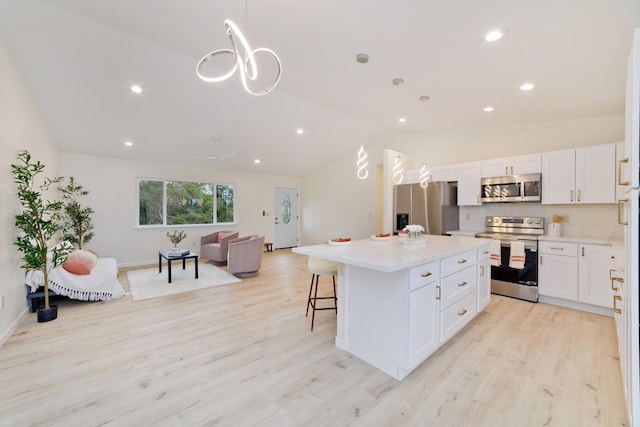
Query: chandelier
[243, 60]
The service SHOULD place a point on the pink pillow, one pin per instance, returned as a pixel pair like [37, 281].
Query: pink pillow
[91, 258]
[77, 266]
[221, 236]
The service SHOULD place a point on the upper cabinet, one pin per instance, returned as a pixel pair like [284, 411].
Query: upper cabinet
[518, 165]
[582, 175]
[444, 173]
[469, 175]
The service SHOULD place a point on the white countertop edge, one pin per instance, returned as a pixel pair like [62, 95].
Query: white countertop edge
[340, 254]
[578, 239]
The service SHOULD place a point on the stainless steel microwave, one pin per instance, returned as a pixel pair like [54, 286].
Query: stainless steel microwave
[513, 188]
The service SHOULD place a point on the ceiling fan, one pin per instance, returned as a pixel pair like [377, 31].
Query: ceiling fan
[218, 154]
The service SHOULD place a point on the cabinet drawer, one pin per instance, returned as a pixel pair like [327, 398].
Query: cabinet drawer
[423, 275]
[484, 253]
[558, 248]
[457, 285]
[457, 262]
[457, 316]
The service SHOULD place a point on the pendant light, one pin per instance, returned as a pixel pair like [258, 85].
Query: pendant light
[243, 60]
[397, 161]
[361, 163]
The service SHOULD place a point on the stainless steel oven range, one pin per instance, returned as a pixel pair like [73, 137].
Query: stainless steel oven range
[516, 282]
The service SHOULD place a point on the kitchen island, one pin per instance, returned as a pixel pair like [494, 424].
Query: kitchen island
[399, 301]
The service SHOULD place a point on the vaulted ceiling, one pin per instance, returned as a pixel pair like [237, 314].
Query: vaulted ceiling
[79, 59]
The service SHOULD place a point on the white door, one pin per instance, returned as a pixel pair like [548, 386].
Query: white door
[285, 217]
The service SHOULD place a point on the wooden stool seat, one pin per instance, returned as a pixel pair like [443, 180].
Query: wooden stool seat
[320, 267]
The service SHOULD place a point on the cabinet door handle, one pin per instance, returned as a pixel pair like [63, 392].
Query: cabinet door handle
[427, 274]
[511, 170]
[463, 283]
[540, 259]
[613, 288]
[506, 170]
[621, 203]
[620, 162]
[582, 251]
[556, 248]
[463, 312]
[462, 261]
[578, 195]
[485, 252]
[571, 198]
[439, 295]
[482, 270]
[615, 305]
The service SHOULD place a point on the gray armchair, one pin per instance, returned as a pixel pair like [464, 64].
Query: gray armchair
[215, 248]
[245, 256]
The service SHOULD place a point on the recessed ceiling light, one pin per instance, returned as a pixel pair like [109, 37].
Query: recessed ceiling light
[136, 89]
[527, 86]
[299, 131]
[487, 109]
[402, 120]
[495, 34]
[128, 143]
[256, 161]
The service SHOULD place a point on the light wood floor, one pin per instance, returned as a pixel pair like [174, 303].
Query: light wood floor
[242, 355]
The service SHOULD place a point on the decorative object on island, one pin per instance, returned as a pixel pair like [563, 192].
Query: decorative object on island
[38, 223]
[177, 236]
[243, 60]
[76, 220]
[414, 231]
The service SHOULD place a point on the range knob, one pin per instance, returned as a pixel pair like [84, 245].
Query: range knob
[538, 220]
[489, 220]
[529, 221]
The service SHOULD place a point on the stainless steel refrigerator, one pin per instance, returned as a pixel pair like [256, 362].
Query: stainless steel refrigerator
[434, 207]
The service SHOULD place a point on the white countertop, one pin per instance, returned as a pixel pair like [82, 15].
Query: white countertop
[393, 254]
[578, 239]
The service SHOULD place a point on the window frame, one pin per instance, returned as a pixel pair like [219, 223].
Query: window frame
[164, 224]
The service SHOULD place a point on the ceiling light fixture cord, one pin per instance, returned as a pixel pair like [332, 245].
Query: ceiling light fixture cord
[247, 66]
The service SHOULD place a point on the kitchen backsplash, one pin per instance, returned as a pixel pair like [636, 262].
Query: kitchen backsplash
[596, 221]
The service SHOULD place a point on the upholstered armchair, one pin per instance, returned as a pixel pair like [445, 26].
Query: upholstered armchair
[215, 246]
[245, 256]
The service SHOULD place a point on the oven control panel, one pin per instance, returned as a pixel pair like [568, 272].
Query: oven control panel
[515, 224]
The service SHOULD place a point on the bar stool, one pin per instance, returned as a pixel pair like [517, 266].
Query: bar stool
[320, 267]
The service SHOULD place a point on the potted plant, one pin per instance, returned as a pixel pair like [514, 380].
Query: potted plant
[77, 225]
[38, 223]
[176, 236]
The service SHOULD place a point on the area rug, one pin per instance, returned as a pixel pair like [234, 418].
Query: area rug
[148, 283]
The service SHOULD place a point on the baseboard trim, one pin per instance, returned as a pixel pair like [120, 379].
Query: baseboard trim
[13, 326]
[604, 311]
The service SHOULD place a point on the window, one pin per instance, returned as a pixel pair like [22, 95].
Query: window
[184, 203]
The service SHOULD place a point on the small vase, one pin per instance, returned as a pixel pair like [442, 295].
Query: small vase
[414, 235]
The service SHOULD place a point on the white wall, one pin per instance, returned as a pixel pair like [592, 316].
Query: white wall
[21, 127]
[335, 203]
[112, 194]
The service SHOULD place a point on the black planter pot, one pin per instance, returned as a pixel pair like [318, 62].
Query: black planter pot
[48, 314]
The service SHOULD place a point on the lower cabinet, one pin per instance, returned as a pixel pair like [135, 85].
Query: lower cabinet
[459, 293]
[575, 272]
[484, 278]
[424, 323]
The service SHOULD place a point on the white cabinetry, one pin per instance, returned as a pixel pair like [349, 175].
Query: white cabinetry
[575, 272]
[594, 265]
[458, 293]
[511, 166]
[444, 173]
[581, 175]
[484, 278]
[424, 313]
[558, 270]
[469, 183]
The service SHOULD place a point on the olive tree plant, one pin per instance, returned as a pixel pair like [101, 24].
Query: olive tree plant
[77, 223]
[38, 222]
